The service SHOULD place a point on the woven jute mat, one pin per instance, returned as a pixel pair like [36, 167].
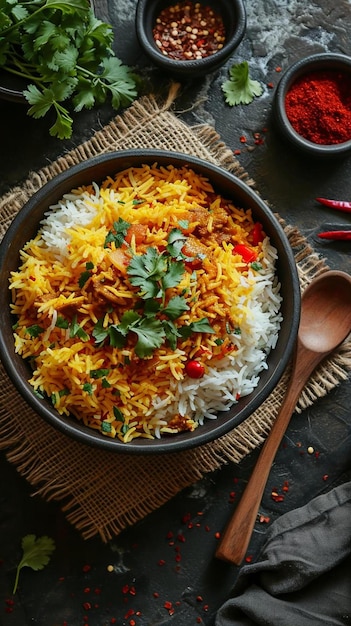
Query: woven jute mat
[100, 492]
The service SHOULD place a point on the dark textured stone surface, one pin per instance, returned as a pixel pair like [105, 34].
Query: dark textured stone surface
[278, 33]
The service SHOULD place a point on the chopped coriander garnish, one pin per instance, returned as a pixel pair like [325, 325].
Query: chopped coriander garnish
[118, 414]
[106, 427]
[88, 387]
[117, 235]
[35, 330]
[77, 331]
[99, 373]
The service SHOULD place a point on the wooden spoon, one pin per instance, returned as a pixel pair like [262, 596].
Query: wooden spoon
[325, 323]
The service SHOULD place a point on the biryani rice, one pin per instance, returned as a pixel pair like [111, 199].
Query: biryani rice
[72, 281]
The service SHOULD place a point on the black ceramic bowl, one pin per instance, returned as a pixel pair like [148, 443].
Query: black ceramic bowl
[25, 226]
[315, 63]
[234, 17]
[11, 87]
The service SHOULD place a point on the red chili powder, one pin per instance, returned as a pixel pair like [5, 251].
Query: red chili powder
[318, 106]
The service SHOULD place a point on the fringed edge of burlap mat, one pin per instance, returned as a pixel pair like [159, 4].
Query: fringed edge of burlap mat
[101, 492]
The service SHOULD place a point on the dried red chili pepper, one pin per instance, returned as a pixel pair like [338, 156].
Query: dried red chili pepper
[248, 254]
[340, 205]
[342, 235]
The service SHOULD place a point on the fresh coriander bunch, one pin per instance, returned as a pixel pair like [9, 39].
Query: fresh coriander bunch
[65, 55]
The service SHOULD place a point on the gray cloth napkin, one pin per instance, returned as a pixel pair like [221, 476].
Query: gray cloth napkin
[303, 577]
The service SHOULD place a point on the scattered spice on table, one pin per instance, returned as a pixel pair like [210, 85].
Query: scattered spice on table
[318, 106]
[189, 31]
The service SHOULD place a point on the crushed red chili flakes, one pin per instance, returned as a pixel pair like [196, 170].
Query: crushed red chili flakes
[189, 31]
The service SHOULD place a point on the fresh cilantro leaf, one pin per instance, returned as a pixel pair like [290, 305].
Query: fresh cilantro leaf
[76, 330]
[88, 387]
[171, 333]
[36, 554]
[175, 307]
[183, 224]
[106, 426]
[117, 235]
[240, 88]
[150, 334]
[129, 318]
[176, 241]
[100, 332]
[35, 330]
[60, 46]
[118, 414]
[99, 373]
[146, 271]
[200, 326]
[174, 274]
[83, 278]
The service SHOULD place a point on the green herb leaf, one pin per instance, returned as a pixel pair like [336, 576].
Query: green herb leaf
[240, 88]
[76, 330]
[35, 330]
[63, 52]
[36, 554]
[117, 235]
[146, 271]
[200, 326]
[99, 373]
[106, 427]
[118, 414]
[150, 334]
[175, 307]
[176, 241]
[88, 387]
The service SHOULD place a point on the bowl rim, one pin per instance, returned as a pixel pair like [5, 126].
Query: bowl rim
[318, 61]
[144, 21]
[64, 182]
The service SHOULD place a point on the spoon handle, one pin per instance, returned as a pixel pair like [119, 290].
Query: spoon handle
[236, 537]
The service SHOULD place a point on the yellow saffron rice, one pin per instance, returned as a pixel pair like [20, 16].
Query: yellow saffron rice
[127, 283]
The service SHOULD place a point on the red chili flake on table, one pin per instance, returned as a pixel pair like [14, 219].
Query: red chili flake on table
[318, 106]
[248, 558]
[162, 562]
[325, 477]
[188, 31]
[86, 568]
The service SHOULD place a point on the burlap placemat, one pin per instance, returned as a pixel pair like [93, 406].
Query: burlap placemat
[102, 492]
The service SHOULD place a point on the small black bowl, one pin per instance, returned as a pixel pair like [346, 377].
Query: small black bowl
[234, 17]
[12, 87]
[303, 67]
[25, 226]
